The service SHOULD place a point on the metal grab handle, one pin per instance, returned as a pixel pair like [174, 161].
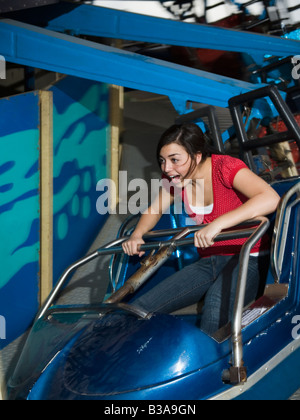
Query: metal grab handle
[115, 248]
[238, 372]
[282, 225]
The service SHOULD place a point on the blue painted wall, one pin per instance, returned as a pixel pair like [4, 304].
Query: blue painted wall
[81, 158]
[19, 212]
[81, 145]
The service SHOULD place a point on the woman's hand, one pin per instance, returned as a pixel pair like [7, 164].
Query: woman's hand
[131, 247]
[204, 238]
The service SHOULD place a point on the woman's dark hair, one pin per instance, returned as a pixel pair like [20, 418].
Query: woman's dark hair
[190, 137]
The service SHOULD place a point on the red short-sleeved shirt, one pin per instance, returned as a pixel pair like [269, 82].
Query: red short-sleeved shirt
[226, 199]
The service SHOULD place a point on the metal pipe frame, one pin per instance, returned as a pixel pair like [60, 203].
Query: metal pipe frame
[63, 279]
[238, 372]
[122, 232]
[281, 228]
[115, 248]
[97, 311]
[148, 267]
[277, 101]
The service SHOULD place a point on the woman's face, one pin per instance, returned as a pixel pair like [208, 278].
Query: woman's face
[175, 162]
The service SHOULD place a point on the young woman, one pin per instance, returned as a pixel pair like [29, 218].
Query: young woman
[229, 195]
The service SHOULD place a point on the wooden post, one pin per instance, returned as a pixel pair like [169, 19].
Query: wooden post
[116, 123]
[46, 194]
[2, 382]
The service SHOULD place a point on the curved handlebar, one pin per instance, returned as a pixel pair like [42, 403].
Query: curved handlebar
[115, 247]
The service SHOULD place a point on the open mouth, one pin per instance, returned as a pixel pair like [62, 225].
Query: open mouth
[175, 178]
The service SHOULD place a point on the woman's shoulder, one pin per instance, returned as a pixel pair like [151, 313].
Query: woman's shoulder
[226, 167]
[226, 159]
[230, 162]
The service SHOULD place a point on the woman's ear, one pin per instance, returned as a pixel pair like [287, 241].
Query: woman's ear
[198, 158]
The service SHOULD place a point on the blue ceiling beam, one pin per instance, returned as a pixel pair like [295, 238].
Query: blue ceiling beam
[41, 48]
[99, 21]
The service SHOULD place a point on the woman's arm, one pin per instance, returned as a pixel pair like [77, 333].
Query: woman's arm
[147, 222]
[263, 200]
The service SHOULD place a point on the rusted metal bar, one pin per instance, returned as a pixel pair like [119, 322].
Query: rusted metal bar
[148, 267]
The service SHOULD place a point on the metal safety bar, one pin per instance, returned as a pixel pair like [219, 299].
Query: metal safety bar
[115, 247]
[123, 231]
[281, 229]
[238, 372]
[247, 144]
[95, 311]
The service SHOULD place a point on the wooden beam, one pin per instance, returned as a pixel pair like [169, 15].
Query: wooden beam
[116, 123]
[46, 194]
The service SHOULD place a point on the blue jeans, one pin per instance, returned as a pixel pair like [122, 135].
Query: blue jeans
[213, 277]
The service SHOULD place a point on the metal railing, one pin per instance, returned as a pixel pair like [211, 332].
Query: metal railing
[237, 373]
[281, 227]
[115, 247]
